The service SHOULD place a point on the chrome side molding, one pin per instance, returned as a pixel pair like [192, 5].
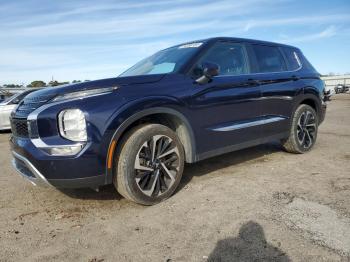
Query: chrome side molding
[249, 124]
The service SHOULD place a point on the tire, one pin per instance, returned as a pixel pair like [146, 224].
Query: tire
[148, 174]
[303, 132]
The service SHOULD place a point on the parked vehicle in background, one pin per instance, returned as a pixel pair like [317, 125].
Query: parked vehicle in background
[183, 104]
[8, 105]
[341, 88]
[328, 92]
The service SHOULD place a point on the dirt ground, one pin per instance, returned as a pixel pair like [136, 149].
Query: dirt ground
[257, 204]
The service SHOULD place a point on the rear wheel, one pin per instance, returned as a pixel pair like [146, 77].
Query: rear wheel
[150, 164]
[303, 131]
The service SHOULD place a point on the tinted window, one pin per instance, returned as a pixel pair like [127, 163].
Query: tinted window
[269, 59]
[292, 57]
[19, 97]
[24, 94]
[229, 56]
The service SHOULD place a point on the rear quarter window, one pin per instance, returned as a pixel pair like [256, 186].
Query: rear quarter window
[292, 58]
[306, 64]
[269, 59]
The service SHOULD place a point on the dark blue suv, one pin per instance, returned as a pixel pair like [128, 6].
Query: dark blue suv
[183, 104]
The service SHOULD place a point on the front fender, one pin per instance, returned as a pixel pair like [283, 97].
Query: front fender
[137, 109]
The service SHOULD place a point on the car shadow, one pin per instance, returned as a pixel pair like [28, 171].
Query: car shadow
[201, 168]
[5, 131]
[223, 161]
[107, 192]
[249, 245]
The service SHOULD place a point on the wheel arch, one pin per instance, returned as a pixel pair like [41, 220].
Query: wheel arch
[310, 96]
[311, 100]
[162, 115]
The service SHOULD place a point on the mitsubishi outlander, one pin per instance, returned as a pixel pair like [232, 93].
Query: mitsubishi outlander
[181, 105]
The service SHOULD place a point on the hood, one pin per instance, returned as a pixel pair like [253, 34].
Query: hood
[51, 92]
[38, 98]
[109, 82]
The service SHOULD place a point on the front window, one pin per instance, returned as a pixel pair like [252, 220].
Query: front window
[230, 57]
[166, 61]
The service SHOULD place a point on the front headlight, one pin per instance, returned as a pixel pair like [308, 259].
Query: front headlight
[72, 125]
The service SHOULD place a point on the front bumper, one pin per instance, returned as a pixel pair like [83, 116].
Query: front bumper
[27, 170]
[44, 170]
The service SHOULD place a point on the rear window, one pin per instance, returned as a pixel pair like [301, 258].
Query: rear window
[269, 59]
[292, 57]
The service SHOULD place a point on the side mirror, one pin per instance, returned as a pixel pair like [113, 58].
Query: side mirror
[209, 71]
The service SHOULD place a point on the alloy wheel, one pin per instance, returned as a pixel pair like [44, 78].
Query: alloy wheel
[157, 165]
[306, 129]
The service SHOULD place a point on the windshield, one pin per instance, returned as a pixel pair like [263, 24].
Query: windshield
[166, 61]
[18, 97]
[8, 99]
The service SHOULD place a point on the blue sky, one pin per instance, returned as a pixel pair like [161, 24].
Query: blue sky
[97, 39]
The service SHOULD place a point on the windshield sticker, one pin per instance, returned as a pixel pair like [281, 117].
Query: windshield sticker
[192, 45]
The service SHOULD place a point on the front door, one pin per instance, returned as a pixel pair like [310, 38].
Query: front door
[227, 110]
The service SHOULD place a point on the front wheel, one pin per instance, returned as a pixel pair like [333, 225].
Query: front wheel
[150, 164]
[303, 132]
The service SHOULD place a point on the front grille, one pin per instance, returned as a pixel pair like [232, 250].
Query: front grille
[29, 104]
[19, 127]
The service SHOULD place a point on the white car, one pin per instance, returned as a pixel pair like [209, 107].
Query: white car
[8, 105]
[328, 92]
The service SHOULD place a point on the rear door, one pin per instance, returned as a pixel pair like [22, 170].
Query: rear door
[227, 109]
[280, 84]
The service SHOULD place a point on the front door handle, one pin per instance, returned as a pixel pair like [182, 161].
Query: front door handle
[295, 78]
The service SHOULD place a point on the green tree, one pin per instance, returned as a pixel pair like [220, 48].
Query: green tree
[56, 83]
[37, 83]
[12, 85]
[76, 81]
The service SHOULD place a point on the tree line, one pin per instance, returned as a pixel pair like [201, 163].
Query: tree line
[40, 83]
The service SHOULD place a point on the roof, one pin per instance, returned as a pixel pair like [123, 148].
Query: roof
[253, 41]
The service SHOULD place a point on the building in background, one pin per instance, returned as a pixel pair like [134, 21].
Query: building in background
[333, 81]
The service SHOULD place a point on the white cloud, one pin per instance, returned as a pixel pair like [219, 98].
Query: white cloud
[326, 33]
[303, 20]
[148, 23]
[71, 39]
